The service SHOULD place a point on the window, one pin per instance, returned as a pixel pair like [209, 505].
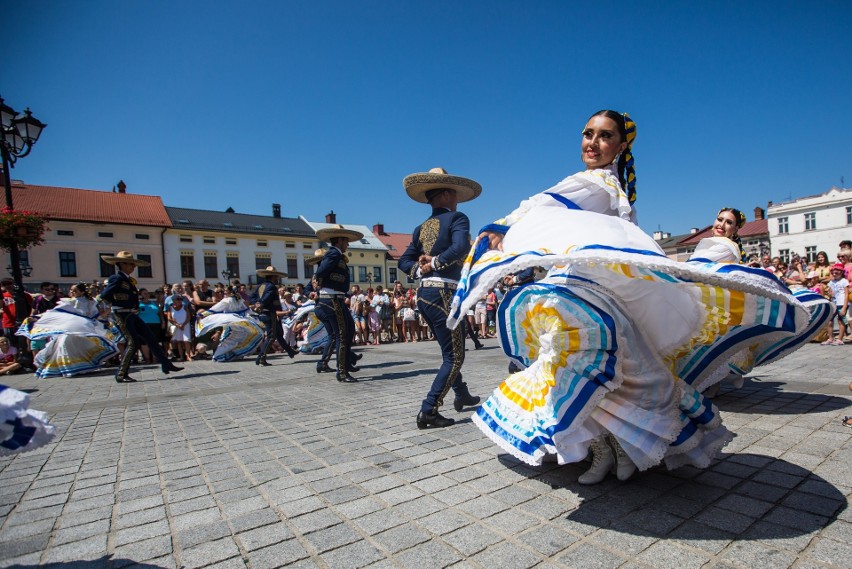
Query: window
[67, 264]
[211, 267]
[289, 245]
[810, 221]
[187, 266]
[186, 238]
[261, 242]
[351, 274]
[392, 278]
[810, 253]
[105, 234]
[142, 236]
[209, 240]
[230, 241]
[106, 269]
[309, 270]
[233, 265]
[292, 268]
[362, 274]
[848, 215]
[67, 233]
[783, 226]
[145, 272]
[784, 255]
[262, 261]
[377, 274]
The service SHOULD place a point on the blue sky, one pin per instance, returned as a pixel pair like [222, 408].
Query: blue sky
[326, 106]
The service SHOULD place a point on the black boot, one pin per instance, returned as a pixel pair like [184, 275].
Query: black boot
[346, 378]
[465, 400]
[324, 369]
[434, 419]
[291, 351]
[125, 379]
[169, 366]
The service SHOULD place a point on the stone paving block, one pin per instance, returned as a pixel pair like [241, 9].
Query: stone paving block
[667, 555]
[194, 519]
[359, 507]
[586, 555]
[330, 538]
[12, 531]
[263, 536]
[724, 520]
[707, 538]
[471, 539]
[401, 537]
[380, 521]
[202, 534]
[352, 556]
[795, 519]
[140, 551]
[507, 555]
[209, 553]
[191, 505]
[546, 539]
[303, 506]
[18, 547]
[76, 533]
[254, 519]
[283, 554]
[482, 507]
[758, 555]
[376, 485]
[139, 492]
[90, 548]
[814, 504]
[140, 504]
[431, 554]
[138, 533]
[747, 506]
[314, 521]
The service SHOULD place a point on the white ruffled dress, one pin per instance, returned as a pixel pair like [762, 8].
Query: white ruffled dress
[21, 428]
[617, 338]
[241, 331]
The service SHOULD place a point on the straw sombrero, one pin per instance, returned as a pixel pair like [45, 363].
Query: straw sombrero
[270, 271]
[125, 257]
[329, 233]
[417, 185]
[316, 257]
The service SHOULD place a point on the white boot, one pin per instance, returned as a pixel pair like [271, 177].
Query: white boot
[624, 466]
[602, 462]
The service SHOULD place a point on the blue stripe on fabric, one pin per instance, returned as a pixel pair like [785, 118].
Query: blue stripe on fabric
[495, 228]
[623, 249]
[564, 201]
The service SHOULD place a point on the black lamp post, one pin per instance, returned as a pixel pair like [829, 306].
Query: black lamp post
[18, 134]
[226, 274]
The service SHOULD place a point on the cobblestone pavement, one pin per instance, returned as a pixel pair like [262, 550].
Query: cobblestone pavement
[232, 465]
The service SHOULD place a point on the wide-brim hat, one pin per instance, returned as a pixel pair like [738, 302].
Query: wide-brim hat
[124, 257]
[417, 185]
[329, 233]
[316, 257]
[270, 271]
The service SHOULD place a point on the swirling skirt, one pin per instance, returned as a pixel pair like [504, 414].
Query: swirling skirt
[21, 428]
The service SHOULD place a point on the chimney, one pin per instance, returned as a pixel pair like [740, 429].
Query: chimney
[121, 186]
[759, 213]
[693, 230]
[659, 235]
[330, 217]
[379, 229]
[276, 210]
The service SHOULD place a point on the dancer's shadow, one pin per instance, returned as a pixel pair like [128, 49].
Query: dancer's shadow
[105, 562]
[384, 364]
[773, 399]
[400, 374]
[740, 497]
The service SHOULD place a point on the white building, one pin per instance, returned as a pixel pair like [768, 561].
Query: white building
[811, 224]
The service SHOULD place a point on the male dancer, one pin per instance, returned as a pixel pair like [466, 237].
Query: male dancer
[122, 293]
[331, 282]
[436, 254]
[270, 310]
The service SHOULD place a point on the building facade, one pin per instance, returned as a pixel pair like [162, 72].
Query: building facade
[229, 246]
[396, 244]
[811, 224]
[85, 224]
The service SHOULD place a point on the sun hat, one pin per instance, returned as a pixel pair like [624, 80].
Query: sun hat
[124, 257]
[334, 231]
[316, 257]
[419, 184]
[270, 271]
[813, 275]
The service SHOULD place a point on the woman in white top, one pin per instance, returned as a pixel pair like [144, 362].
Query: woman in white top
[241, 333]
[724, 245]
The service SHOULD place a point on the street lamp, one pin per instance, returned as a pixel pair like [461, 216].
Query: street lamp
[18, 134]
[226, 274]
[26, 269]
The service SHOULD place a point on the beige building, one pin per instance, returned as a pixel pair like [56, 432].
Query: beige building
[85, 224]
[367, 257]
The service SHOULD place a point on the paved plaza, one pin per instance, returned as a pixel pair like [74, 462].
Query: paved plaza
[234, 465]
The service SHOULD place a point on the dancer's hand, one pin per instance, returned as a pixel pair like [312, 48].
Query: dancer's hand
[425, 263]
[495, 240]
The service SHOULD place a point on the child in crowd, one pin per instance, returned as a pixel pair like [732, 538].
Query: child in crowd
[8, 360]
[178, 317]
[840, 291]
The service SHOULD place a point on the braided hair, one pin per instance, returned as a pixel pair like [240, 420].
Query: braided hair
[626, 169]
[741, 219]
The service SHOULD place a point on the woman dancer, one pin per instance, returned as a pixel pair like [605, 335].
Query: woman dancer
[241, 333]
[617, 341]
[81, 339]
[724, 244]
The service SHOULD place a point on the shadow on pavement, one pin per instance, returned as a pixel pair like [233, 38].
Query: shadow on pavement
[399, 374]
[770, 398]
[740, 496]
[107, 561]
[385, 364]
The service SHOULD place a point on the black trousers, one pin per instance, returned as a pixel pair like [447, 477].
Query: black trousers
[135, 334]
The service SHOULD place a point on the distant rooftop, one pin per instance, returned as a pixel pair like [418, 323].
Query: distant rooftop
[201, 219]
